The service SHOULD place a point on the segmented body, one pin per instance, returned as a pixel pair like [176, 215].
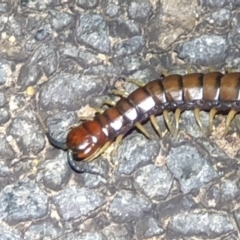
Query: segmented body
[212, 92]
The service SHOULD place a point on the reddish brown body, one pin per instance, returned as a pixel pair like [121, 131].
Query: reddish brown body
[213, 90]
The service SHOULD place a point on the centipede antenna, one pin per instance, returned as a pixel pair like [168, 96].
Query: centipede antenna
[72, 163]
[177, 118]
[77, 169]
[155, 125]
[230, 117]
[167, 121]
[118, 93]
[140, 127]
[55, 143]
[37, 115]
[136, 82]
[212, 114]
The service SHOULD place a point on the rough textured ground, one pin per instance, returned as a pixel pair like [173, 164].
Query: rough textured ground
[59, 58]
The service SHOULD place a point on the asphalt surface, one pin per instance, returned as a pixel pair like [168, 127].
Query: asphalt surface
[58, 60]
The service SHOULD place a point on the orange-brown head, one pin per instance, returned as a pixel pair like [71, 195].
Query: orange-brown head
[85, 139]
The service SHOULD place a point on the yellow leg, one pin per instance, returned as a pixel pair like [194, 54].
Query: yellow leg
[109, 103]
[117, 142]
[211, 69]
[155, 125]
[165, 73]
[99, 110]
[142, 129]
[118, 93]
[136, 82]
[177, 118]
[228, 70]
[212, 114]
[93, 156]
[98, 152]
[197, 117]
[167, 121]
[230, 117]
[189, 68]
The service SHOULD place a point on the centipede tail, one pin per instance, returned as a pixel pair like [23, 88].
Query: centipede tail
[212, 92]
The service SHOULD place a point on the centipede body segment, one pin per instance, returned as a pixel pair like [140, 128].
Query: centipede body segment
[211, 92]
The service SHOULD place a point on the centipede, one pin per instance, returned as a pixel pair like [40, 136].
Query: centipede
[212, 92]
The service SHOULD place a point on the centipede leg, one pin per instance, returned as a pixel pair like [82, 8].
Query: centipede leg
[228, 70]
[98, 152]
[136, 82]
[118, 93]
[197, 117]
[109, 103]
[165, 73]
[76, 168]
[212, 114]
[155, 125]
[143, 130]
[177, 118]
[167, 120]
[230, 117]
[189, 68]
[106, 102]
[99, 110]
[117, 142]
[211, 69]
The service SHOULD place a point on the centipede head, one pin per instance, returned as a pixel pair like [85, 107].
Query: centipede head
[81, 143]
